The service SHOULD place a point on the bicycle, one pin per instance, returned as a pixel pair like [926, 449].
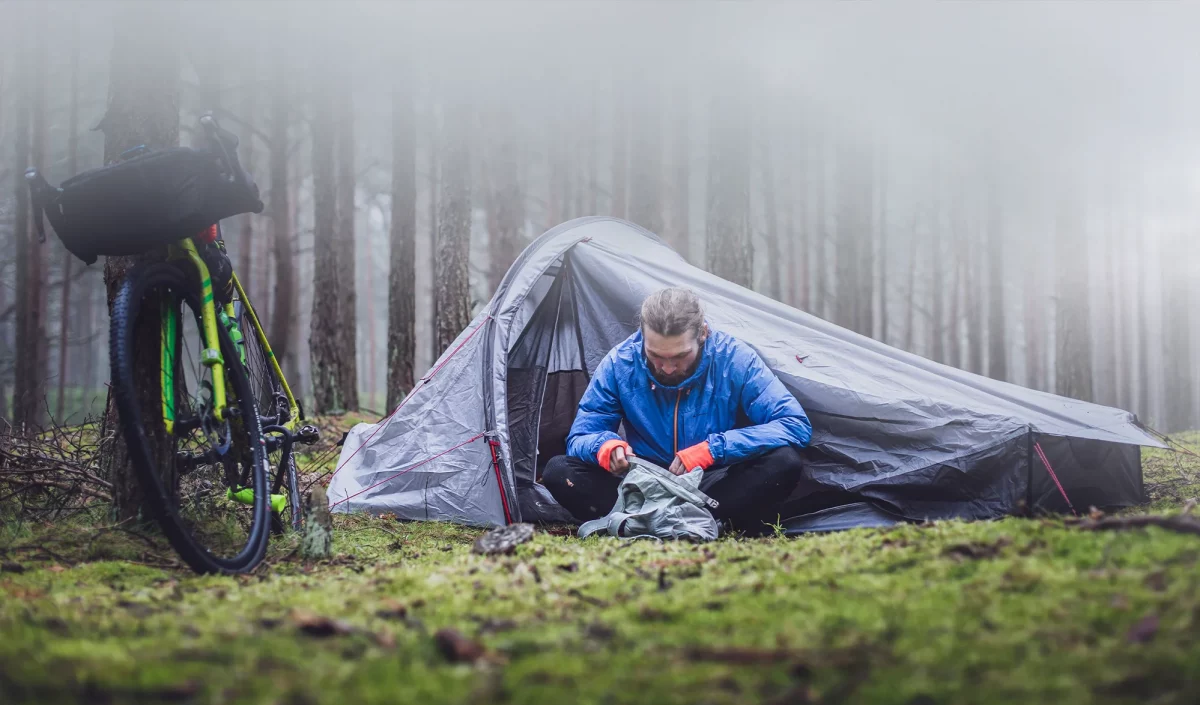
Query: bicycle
[227, 415]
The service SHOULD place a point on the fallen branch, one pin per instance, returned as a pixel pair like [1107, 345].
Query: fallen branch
[1183, 523]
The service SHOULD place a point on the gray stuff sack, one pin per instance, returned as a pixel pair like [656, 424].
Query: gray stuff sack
[653, 503]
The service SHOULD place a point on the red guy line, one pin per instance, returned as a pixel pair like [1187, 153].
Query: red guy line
[404, 401]
[1042, 455]
[410, 467]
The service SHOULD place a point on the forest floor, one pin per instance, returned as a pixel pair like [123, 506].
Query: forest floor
[1017, 610]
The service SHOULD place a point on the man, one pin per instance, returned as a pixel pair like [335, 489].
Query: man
[681, 390]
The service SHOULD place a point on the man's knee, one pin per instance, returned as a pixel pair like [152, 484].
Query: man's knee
[557, 473]
[785, 460]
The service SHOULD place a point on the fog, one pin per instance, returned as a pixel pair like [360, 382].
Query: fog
[962, 121]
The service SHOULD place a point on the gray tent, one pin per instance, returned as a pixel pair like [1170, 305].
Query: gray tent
[895, 436]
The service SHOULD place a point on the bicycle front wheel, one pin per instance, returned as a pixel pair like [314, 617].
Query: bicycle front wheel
[202, 470]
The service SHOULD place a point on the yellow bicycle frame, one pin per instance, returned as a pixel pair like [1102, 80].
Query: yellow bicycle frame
[293, 407]
[211, 356]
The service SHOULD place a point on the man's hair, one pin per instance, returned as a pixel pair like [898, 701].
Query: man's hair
[673, 311]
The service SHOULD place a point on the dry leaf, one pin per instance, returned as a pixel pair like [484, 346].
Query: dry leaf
[316, 625]
[458, 648]
[1144, 630]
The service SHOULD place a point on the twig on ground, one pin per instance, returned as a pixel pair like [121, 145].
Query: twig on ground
[1183, 523]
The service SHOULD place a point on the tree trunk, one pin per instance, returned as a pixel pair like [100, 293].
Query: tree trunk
[1035, 321]
[645, 206]
[1125, 273]
[1117, 293]
[506, 203]
[23, 354]
[881, 174]
[435, 184]
[402, 272]
[910, 289]
[326, 326]
[848, 267]
[280, 208]
[997, 336]
[345, 248]
[865, 293]
[1179, 364]
[620, 138]
[245, 243]
[820, 233]
[64, 316]
[143, 108]
[775, 262]
[453, 292]
[1073, 363]
[32, 363]
[974, 291]
[1145, 400]
[678, 235]
[795, 235]
[937, 291]
[729, 249]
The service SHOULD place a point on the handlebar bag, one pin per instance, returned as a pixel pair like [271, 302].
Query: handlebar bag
[146, 201]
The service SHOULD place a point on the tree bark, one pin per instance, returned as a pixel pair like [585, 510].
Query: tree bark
[729, 249]
[143, 108]
[283, 313]
[402, 273]
[453, 293]
[1073, 363]
[345, 249]
[64, 316]
[324, 338]
[997, 336]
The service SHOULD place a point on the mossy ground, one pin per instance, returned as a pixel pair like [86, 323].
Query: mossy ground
[1019, 610]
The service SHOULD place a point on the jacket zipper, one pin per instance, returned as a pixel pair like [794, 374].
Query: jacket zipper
[675, 440]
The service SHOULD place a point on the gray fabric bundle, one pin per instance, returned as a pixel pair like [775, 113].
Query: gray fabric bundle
[653, 503]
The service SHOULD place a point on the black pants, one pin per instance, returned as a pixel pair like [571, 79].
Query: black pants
[750, 493]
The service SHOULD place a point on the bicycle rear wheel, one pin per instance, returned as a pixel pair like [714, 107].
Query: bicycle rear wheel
[202, 478]
[274, 413]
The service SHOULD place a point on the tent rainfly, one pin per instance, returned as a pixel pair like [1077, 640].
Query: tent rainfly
[895, 436]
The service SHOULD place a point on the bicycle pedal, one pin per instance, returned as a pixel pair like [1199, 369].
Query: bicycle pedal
[308, 435]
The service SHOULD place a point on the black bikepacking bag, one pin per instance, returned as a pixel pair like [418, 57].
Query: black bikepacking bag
[143, 202]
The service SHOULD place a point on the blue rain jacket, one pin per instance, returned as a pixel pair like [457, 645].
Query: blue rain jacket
[660, 420]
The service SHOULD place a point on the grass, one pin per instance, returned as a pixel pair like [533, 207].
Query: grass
[1017, 610]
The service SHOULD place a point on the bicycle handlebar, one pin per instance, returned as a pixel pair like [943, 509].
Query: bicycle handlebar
[225, 144]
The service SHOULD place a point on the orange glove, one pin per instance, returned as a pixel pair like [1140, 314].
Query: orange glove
[606, 450]
[697, 456]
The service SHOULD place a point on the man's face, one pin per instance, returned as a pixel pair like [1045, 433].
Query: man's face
[672, 358]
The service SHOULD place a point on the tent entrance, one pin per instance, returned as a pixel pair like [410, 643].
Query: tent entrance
[547, 376]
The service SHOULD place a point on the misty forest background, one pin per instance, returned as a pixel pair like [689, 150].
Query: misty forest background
[1008, 190]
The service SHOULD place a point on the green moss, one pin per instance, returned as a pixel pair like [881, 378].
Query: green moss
[1016, 610]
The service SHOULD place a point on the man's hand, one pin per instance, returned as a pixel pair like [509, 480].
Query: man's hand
[677, 467]
[618, 462]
